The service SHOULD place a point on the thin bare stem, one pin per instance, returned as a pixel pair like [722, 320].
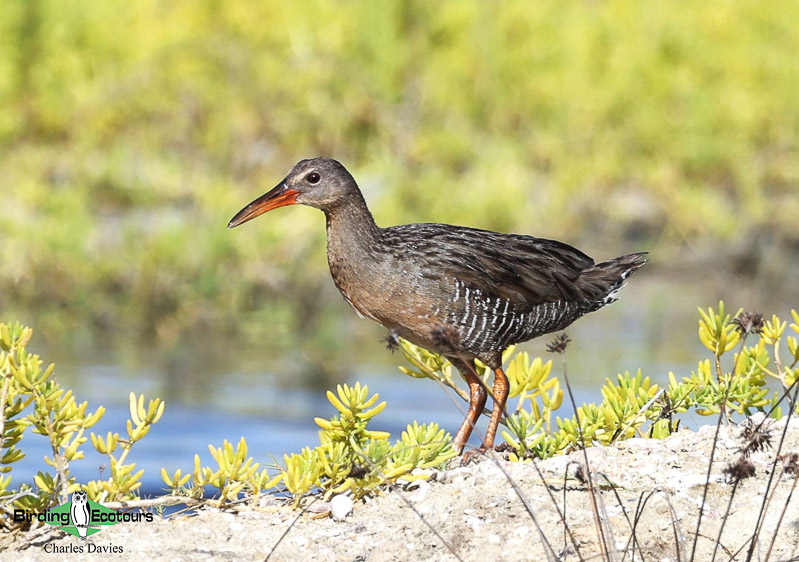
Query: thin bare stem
[405, 500]
[639, 511]
[160, 501]
[724, 519]
[548, 547]
[767, 495]
[565, 505]
[709, 469]
[562, 514]
[127, 445]
[782, 515]
[632, 538]
[603, 539]
[643, 409]
[679, 541]
[291, 525]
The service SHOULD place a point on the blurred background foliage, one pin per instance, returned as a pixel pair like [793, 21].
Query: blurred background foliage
[132, 131]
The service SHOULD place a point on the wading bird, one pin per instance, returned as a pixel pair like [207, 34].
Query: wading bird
[462, 292]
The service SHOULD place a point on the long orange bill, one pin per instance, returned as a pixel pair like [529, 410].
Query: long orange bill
[280, 196]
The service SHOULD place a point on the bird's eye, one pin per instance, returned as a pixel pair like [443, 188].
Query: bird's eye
[313, 177]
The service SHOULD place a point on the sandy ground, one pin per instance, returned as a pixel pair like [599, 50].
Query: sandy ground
[476, 512]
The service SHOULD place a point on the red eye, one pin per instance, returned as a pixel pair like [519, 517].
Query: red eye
[313, 177]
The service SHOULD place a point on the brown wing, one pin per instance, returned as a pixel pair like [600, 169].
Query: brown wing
[525, 270]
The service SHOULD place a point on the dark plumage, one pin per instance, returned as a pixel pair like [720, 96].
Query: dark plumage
[463, 292]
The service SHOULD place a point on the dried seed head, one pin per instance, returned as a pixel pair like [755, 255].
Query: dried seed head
[559, 344]
[748, 323]
[740, 469]
[580, 474]
[392, 340]
[790, 463]
[358, 471]
[756, 436]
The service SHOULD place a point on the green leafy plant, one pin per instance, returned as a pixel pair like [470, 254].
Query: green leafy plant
[32, 397]
[235, 474]
[123, 482]
[351, 458]
[633, 405]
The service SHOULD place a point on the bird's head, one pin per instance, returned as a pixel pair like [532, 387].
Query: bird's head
[322, 183]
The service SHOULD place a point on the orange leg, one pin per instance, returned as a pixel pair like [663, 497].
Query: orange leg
[477, 401]
[501, 389]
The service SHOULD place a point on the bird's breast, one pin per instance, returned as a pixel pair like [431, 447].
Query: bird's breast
[392, 294]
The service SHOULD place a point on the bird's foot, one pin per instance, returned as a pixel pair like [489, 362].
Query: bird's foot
[472, 456]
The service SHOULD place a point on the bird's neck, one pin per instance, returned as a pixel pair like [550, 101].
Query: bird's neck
[351, 229]
[354, 254]
[353, 251]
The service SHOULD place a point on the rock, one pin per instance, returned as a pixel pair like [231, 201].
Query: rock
[521, 531]
[674, 443]
[340, 507]
[474, 523]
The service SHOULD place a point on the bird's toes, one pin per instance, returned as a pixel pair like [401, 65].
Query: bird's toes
[472, 456]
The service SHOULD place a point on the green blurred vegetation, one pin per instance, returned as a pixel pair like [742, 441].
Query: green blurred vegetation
[132, 132]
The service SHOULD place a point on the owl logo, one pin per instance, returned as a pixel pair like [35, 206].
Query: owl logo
[80, 512]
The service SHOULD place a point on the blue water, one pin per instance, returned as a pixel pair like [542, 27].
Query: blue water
[184, 431]
[653, 328]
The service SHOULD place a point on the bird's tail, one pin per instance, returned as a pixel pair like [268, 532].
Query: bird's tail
[602, 282]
